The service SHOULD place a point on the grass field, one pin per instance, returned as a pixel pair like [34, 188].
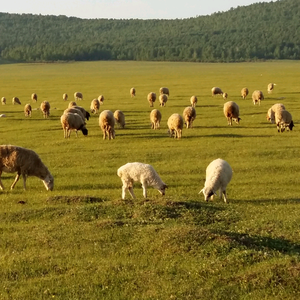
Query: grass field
[81, 241]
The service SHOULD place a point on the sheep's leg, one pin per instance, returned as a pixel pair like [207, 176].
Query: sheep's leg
[15, 181]
[1, 185]
[225, 198]
[144, 186]
[130, 189]
[24, 181]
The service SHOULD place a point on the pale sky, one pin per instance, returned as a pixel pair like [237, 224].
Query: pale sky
[123, 9]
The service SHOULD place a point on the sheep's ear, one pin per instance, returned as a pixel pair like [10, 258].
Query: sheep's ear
[202, 191]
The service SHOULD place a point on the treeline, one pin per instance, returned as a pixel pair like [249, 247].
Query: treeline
[260, 31]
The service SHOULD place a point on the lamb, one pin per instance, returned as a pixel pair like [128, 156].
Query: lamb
[65, 97]
[151, 97]
[72, 121]
[75, 110]
[271, 112]
[164, 90]
[120, 118]
[189, 115]
[216, 91]
[257, 96]
[232, 112]
[225, 95]
[27, 110]
[132, 92]
[34, 97]
[45, 108]
[3, 100]
[271, 87]
[107, 124]
[85, 113]
[244, 92]
[16, 100]
[175, 125]
[95, 106]
[78, 96]
[163, 98]
[155, 118]
[218, 175]
[283, 119]
[25, 162]
[194, 101]
[101, 99]
[144, 173]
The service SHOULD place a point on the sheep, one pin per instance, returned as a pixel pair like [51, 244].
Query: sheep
[16, 100]
[216, 91]
[85, 113]
[95, 106]
[232, 112]
[3, 100]
[72, 103]
[78, 96]
[34, 97]
[101, 99]
[271, 112]
[65, 97]
[163, 98]
[45, 108]
[225, 95]
[107, 124]
[144, 173]
[72, 121]
[175, 125]
[25, 162]
[120, 118]
[218, 175]
[75, 110]
[155, 118]
[244, 92]
[132, 92]
[27, 110]
[151, 97]
[257, 96]
[164, 90]
[271, 87]
[283, 119]
[189, 115]
[193, 101]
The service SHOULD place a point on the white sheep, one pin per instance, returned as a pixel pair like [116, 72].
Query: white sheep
[75, 110]
[232, 112]
[257, 96]
[271, 111]
[3, 100]
[78, 96]
[27, 110]
[85, 113]
[163, 98]
[34, 97]
[45, 108]
[216, 91]
[107, 124]
[16, 100]
[175, 125]
[225, 95]
[244, 92]
[26, 163]
[283, 119]
[164, 90]
[218, 175]
[65, 97]
[120, 118]
[193, 101]
[95, 106]
[189, 115]
[155, 118]
[132, 92]
[72, 121]
[101, 99]
[271, 87]
[143, 173]
[151, 97]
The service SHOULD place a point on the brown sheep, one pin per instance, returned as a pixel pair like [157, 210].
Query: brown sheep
[16, 100]
[151, 98]
[155, 118]
[34, 97]
[164, 90]
[257, 96]
[72, 121]
[45, 108]
[244, 92]
[163, 98]
[78, 96]
[175, 125]
[27, 110]
[189, 115]
[107, 124]
[120, 118]
[232, 112]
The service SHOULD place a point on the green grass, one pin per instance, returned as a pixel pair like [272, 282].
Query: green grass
[81, 241]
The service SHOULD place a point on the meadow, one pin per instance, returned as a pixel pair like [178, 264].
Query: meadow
[82, 241]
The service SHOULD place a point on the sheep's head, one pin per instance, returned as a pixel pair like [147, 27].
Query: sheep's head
[291, 125]
[84, 131]
[207, 193]
[49, 182]
[162, 189]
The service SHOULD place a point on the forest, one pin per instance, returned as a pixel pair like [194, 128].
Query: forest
[261, 31]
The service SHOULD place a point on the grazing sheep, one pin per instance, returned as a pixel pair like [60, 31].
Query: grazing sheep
[194, 101]
[27, 110]
[216, 91]
[101, 99]
[78, 96]
[283, 119]
[175, 125]
[16, 100]
[3, 100]
[75, 110]
[26, 163]
[218, 175]
[85, 113]
[95, 106]
[72, 103]
[107, 124]
[151, 98]
[163, 98]
[2, 115]
[132, 92]
[120, 118]
[189, 115]
[232, 112]
[143, 173]
[34, 97]
[271, 87]
[244, 92]
[257, 96]
[72, 121]
[65, 97]
[164, 90]
[271, 112]
[155, 118]
[225, 95]
[45, 108]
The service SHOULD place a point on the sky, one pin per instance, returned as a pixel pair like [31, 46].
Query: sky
[123, 9]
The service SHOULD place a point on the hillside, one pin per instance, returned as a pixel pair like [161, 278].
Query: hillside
[256, 32]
